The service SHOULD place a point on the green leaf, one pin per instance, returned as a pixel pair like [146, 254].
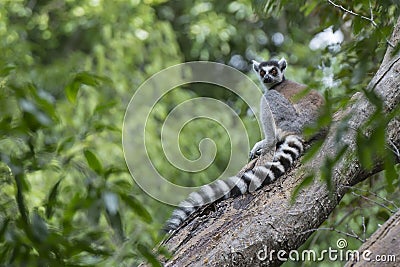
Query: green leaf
[309, 7]
[93, 161]
[329, 164]
[358, 25]
[65, 144]
[85, 78]
[364, 152]
[310, 153]
[21, 185]
[98, 126]
[116, 170]
[148, 255]
[105, 106]
[395, 50]
[326, 173]
[373, 98]
[390, 172]
[3, 227]
[93, 211]
[116, 224]
[5, 125]
[5, 71]
[51, 200]
[137, 207]
[72, 91]
[307, 181]
[34, 117]
[39, 227]
[340, 153]
[83, 244]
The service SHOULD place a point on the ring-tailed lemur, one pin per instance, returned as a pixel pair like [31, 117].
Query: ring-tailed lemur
[289, 115]
[285, 140]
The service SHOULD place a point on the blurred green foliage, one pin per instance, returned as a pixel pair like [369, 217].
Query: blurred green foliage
[68, 70]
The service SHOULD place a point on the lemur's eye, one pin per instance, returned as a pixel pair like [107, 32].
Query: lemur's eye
[274, 72]
[262, 73]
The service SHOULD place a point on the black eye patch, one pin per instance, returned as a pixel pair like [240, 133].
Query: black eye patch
[273, 72]
[262, 73]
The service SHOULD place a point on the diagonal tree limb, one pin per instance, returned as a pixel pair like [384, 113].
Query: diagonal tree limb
[240, 230]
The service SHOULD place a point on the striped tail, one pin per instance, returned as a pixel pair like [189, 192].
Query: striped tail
[289, 148]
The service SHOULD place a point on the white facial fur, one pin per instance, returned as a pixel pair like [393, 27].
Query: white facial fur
[270, 72]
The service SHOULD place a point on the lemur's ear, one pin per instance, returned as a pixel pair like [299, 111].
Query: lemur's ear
[256, 66]
[282, 63]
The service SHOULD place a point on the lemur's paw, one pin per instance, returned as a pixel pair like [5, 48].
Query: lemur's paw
[253, 155]
[257, 150]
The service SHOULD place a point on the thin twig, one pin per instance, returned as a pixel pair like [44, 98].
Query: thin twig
[370, 19]
[364, 228]
[344, 217]
[352, 13]
[373, 201]
[374, 194]
[370, 11]
[353, 235]
[395, 150]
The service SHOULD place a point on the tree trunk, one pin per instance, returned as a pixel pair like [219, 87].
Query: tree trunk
[239, 231]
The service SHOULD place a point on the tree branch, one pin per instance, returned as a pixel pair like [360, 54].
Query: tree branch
[352, 235]
[378, 196]
[382, 246]
[240, 228]
[370, 19]
[373, 201]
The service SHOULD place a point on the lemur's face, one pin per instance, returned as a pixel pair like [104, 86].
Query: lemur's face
[270, 72]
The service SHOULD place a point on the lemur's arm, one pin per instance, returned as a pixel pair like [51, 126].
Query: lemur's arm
[269, 130]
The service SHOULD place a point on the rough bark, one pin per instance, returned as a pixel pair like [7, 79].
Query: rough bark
[240, 228]
[382, 248]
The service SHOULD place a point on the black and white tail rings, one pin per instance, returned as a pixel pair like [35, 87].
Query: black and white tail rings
[288, 149]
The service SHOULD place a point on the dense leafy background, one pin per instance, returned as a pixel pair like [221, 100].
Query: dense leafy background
[69, 68]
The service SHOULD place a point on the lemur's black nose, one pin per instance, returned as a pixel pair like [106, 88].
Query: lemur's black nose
[267, 80]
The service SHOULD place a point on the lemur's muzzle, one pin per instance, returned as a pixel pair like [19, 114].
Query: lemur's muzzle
[267, 80]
